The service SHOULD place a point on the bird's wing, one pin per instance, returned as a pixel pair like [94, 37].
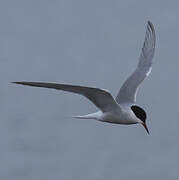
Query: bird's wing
[128, 91]
[101, 98]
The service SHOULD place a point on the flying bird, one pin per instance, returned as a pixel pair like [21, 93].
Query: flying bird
[123, 109]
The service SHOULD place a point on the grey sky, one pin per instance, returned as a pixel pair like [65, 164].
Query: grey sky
[92, 43]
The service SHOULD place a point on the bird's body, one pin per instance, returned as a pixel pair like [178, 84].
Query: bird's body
[118, 116]
[124, 116]
[122, 109]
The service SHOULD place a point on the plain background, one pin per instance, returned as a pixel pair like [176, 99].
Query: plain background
[91, 43]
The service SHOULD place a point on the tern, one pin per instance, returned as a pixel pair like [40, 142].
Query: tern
[123, 109]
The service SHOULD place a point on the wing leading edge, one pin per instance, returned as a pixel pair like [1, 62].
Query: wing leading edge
[128, 91]
[101, 98]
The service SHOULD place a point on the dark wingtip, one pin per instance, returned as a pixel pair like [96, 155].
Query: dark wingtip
[16, 82]
[149, 22]
[21, 83]
[151, 25]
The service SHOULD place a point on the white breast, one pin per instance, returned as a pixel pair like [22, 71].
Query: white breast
[126, 116]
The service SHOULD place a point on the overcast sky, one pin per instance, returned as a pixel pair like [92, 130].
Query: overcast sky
[91, 43]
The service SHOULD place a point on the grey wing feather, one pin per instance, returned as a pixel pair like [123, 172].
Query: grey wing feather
[101, 98]
[128, 91]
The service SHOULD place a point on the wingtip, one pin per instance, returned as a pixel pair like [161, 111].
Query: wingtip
[149, 22]
[151, 25]
[15, 82]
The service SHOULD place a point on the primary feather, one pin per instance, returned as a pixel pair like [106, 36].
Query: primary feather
[101, 98]
[128, 91]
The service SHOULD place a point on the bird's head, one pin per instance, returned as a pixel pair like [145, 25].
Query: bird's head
[141, 115]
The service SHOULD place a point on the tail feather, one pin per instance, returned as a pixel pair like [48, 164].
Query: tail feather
[95, 116]
[82, 117]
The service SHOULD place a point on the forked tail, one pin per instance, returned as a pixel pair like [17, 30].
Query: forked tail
[96, 116]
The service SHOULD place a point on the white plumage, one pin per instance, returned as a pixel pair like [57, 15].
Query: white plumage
[123, 109]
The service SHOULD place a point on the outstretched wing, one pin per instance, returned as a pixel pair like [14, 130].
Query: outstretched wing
[128, 91]
[101, 98]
